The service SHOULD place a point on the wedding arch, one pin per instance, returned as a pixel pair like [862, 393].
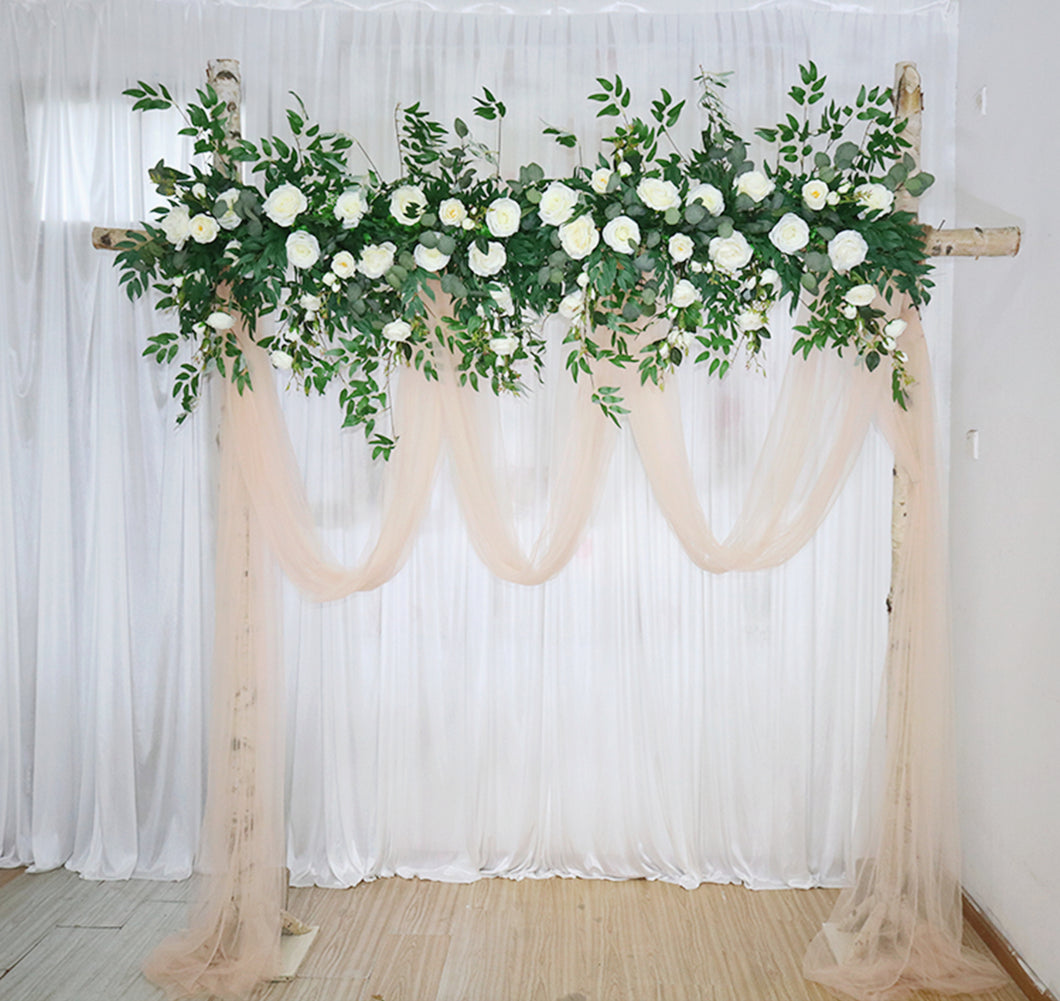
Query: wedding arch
[898, 927]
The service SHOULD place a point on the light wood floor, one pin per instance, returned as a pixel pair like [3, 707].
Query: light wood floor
[66, 939]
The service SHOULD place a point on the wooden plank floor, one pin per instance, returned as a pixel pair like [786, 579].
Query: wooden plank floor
[67, 939]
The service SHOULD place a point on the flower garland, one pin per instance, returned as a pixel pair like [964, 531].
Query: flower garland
[703, 243]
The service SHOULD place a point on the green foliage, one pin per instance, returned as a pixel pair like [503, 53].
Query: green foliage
[696, 278]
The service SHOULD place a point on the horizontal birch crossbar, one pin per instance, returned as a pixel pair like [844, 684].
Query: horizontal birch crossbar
[974, 242]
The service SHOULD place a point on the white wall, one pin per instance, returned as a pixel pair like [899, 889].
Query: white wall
[1005, 507]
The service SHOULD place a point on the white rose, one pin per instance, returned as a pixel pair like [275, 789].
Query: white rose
[229, 219]
[579, 238]
[468, 224]
[895, 328]
[572, 304]
[624, 169]
[502, 217]
[684, 294]
[220, 321]
[376, 259]
[489, 263]
[430, 258]
[873, 198]
[848, 311]
[310, 303]
[203, 228]
[331, 280]
[790, 234]
[680, 339]
[847, 250]
[680, 247]
[557, 204]
[600, 179]
[284, 204]
[198, 190]
[815, 195]
[755, 185]
[622, 234]
[860, 295]
[731, 253]
[750, 319]
[769, 277]
[397, 330]
[452, 212]
[343, 264]
[350, 207]
[408, 203]
[504, 346]
[176, 224]
[708, 196]
[281, 360]
[658, 194]
[503, 298]
[582, 279]
[303, 251]
[833, 198]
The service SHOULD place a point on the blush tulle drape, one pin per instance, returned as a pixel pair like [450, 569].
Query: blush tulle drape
[896, 929]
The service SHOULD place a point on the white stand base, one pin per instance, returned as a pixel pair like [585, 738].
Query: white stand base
[293, 949]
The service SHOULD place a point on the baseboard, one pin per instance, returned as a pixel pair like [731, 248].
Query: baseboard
[1008, 959]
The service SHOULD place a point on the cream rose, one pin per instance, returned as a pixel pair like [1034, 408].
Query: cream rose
[708, 196]
[755, 185]
[848, 311]
[429, 258]
[452, 212]
[198, 190]
[572, 304]
[579, 237]
[376, 259]
[684, 294]
[310, 303]
[502, 217]
[284, 204]
[895, 328]
[680, 247]
[408, 203]
[350, 207]
[397, 331]
[343, 264]
[557, 204]
[622, 234]
[176, 224]
[750, 319]
[658, 194]
[815, 195]
[860, 295]
[220, 321]
[229, 219]
[504, 346]
[600, 179]
[731, 254]
[203, 228]
[790, 234]
[624, 169]
[281, 360]
[489, 263]
[847, 250]
[303, 250]
[873, 198]
[503, 298]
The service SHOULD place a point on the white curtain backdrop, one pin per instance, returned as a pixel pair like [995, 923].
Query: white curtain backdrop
[632, 717]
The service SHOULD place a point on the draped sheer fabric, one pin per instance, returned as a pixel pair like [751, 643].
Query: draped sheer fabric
[897, 929]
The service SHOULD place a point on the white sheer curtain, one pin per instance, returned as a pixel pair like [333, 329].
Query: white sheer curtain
[633, 717]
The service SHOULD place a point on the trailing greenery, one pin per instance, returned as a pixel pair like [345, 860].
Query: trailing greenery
[653, 254]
